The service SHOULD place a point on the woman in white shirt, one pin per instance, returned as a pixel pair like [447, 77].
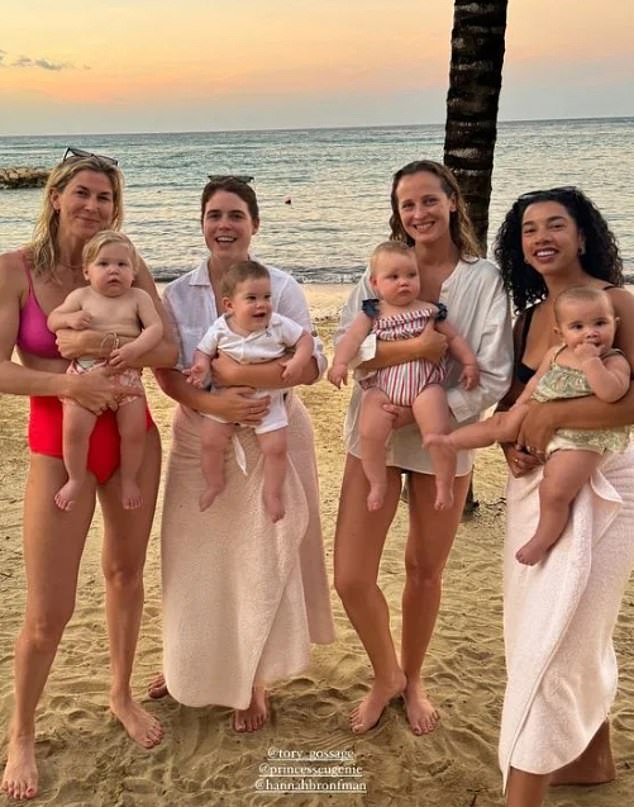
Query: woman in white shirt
[428, 213]
[243, 598]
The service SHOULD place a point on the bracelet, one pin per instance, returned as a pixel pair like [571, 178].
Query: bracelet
[115, 341]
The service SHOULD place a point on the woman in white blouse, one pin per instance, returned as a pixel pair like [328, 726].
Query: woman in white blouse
[243, 598]
[428, 213]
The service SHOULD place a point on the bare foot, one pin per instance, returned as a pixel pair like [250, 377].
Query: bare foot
[532, 552]
[157, 687]
[367, 714]
[274, 506]
[208, 496]
[422, 716]
[140, 725]
[255, 715]
[67, 495]
[376, 497]
[130, 494]
[20, 774]
[444, 494]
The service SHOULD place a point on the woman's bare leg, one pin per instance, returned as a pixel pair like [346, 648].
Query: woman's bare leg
[375, 425]
[78, 426]
[431, 536]
[131, 425]
[525, 789]
[126, 534]
[431, 412]
[53, 544]
[359, 539]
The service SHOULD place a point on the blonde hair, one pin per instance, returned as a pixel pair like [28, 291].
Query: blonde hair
[580, 294]
[103, 239]
[393, 247]
[44, 249]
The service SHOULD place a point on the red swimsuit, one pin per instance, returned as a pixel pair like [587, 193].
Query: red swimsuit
[46, 415]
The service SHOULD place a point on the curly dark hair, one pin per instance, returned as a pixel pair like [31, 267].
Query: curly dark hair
[460, 226]
[600, 259]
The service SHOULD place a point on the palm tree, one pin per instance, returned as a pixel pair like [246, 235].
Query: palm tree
[475, 79]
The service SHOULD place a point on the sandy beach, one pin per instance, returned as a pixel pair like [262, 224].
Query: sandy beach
[87, 760]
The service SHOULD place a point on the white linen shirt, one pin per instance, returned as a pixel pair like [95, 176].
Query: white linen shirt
[191, 307]
[263, 345]
[479, 310]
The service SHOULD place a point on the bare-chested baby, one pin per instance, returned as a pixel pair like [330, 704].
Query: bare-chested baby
[110, 304]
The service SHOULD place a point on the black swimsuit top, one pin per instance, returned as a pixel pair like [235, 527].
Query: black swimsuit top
[523, 372]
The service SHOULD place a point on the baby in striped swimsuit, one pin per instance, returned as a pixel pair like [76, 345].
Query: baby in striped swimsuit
[399, 314]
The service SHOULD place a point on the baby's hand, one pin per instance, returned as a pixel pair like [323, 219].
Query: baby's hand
[586, 350]
[122, 357]
[79, 320]
[470, 376]
[196, 376]
[338, 375]
[292, 372]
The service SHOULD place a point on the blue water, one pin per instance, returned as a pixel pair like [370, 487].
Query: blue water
[338, 181]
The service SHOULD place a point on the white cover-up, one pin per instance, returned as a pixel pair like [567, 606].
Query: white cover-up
[559, 617]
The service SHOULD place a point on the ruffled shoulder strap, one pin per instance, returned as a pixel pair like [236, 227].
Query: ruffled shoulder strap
[371, 307]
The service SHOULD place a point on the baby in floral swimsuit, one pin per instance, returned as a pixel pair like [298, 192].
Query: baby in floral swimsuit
[586, 364]
[400, 314]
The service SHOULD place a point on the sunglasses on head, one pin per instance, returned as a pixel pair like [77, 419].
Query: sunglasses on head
[245, 179]
[551, 193]
[71, 152]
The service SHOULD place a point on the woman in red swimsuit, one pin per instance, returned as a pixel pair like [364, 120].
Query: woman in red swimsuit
[83, 196]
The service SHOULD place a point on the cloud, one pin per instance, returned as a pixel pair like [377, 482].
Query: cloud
[3, 53]
[43, 64]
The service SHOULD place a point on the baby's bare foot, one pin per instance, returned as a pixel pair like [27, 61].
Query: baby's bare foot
[140, 725]
[255, 715]
[274, 506]
[131, 497]
[19, 780]
[67, 495]
[376, 497]
[444, 495]
[208, 496]
[422, 716]
[533, 552]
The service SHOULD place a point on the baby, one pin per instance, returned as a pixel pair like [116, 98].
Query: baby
[108, 304]
[250, 332]
[400, 314]
[586, 364]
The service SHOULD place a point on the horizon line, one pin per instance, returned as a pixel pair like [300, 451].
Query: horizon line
[314, 128]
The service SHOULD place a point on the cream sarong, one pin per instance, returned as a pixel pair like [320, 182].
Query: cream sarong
[559, 617]
[243, 598]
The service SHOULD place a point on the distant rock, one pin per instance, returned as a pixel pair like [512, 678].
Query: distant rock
[23, 177]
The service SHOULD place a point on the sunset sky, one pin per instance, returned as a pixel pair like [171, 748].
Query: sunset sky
[141, 66]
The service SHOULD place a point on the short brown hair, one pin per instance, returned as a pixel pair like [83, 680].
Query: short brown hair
[395, 247]
[581, 294]
[103, 239]
[239, 272]
[233, 185]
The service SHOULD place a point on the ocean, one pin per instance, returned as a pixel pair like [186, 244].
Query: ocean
[337, 181]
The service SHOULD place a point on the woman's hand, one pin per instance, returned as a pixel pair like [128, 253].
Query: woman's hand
[432, 344]
[519, 462]
[237, 405]
[97, 390]
[401, 415]
[537, 430]
[70, 343]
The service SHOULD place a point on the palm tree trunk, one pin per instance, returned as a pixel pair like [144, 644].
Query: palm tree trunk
[475, 79]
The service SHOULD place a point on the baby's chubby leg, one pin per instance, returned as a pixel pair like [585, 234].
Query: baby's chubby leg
[432, 416]
[273, 445]
[375, 426]
[214, 439]
[77, 428]
[132, 428]
[502, 427]
[565, 473]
